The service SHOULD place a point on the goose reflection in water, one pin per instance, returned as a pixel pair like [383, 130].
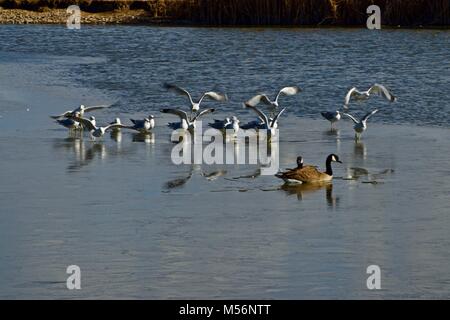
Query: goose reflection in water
[305, 189]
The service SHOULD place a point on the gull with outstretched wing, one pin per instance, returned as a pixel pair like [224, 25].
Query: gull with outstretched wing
[81, 110]
[91, 125]
[185, 122]
[268, 124]
[263, 98]
[360, 125]
[377, 89]
[195, 106]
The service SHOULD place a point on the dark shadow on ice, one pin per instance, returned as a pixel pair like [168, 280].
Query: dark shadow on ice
[305, 189]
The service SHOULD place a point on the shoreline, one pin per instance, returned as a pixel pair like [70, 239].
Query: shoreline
[60, 16]
[50, 16]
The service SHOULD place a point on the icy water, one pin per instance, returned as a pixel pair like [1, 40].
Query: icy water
[141, 227]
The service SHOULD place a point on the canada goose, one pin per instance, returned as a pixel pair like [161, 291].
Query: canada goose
[310, 174]
[333, 117]
[287, 91]
[268, 124]
[145, 125]
[91, 126]
[80, 110]
[360, 125]
[299, 163]
[185, 122]
[363, 95]
[195, 106]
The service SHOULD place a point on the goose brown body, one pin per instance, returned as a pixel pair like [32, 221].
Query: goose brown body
[310, 174]
[306, 174]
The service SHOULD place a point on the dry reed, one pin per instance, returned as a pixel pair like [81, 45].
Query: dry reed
[265, 12]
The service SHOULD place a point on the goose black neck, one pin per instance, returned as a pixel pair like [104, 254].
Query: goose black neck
[329, 168]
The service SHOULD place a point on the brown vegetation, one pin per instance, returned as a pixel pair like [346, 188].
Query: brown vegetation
[263, 12]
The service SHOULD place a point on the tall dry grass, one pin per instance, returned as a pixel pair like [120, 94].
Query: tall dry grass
[424, 12]
[395, 12]
[265, 12]
[313, 12]
[261, 12]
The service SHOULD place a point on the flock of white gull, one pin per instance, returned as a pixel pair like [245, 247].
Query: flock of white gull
[75, 120]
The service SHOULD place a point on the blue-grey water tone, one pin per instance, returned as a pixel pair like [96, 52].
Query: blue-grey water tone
[141, 227]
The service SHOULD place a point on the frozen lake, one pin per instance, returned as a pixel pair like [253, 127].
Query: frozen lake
[141, 227]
